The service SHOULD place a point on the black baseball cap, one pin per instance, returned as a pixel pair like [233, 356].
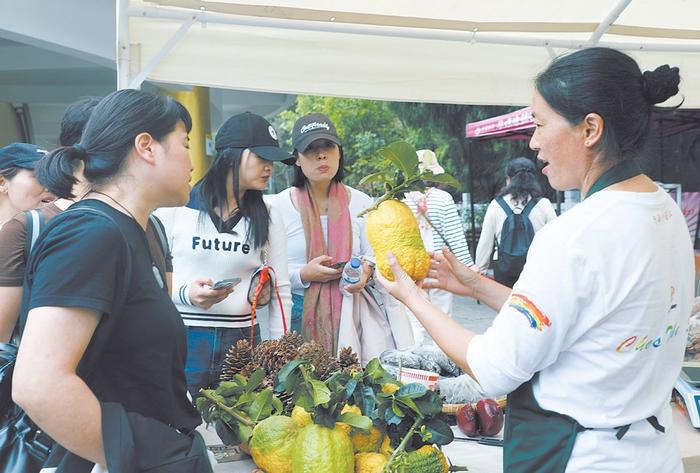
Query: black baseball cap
[248, 130]
[311, 127]
[20, 155]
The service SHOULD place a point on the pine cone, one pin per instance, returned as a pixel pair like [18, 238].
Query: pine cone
[293, 339]
[238, 357]
[347, 359]
[273, 355]
[323, 362]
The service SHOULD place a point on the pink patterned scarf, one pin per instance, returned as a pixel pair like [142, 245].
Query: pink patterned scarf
[323, 301]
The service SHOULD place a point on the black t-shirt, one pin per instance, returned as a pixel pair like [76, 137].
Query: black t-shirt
[138, 352]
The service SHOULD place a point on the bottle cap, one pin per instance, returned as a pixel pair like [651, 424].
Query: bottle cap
[355, 262]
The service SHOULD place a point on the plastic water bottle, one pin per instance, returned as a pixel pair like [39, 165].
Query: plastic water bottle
[351, 272]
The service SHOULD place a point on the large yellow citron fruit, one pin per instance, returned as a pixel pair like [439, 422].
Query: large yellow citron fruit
[370, 462]
[320, 449]
[392, 227]
[367, 442]
[272, 444]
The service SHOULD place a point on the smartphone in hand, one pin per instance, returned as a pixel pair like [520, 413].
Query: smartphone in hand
[338, 265]
[226, 283]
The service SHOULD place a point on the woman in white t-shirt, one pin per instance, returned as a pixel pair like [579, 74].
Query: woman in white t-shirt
[590, 341]
[323, 233]
[521, 187]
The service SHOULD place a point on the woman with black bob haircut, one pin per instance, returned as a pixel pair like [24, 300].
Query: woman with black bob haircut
[101, 363]
[226, 240]
[521, 194]
[589, 342]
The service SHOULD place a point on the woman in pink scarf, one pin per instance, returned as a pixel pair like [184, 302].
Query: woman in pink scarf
[322, 230]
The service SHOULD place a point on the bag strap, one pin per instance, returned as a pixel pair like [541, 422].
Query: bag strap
[34, 225]
[160, 234]
[121, 300]
[528, 208]
[506, 208]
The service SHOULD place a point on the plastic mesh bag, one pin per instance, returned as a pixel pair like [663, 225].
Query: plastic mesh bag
[460, 390]
[436, 357]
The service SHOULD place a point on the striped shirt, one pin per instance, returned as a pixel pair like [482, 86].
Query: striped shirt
[442, 213]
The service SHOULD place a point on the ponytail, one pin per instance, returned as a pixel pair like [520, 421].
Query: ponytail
[56, 170]
[108, 137]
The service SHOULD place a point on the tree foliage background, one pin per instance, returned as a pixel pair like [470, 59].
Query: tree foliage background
[365, 126]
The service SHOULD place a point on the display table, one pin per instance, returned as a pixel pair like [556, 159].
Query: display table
[488, 459]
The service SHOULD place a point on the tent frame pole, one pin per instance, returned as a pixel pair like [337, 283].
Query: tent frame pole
[164, 51]
[470, 163]
[466, 37]
[609, 20]
[123, 45]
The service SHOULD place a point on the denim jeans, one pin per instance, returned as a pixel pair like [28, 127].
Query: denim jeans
[297, 306]
[206, 350]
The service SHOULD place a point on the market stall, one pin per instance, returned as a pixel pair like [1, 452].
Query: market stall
[441, 51]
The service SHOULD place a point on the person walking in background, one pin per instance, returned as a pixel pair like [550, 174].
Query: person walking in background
[229, 238]
[521, 194]
[440, 227]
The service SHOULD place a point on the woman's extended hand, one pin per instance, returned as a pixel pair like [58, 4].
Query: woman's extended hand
[448, 273]
[318, 270]
[364, 277]
[402, 287]
[202, 295]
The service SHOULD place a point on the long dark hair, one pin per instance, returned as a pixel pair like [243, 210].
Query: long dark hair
[523, 181]
[75, 117]
[211, 191]
[609, 83]
[108, 137]
[299, 180]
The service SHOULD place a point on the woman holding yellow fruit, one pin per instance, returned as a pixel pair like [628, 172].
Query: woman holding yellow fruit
[586, 391]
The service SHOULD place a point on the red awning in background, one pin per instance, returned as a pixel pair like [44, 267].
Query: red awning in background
[516, 124]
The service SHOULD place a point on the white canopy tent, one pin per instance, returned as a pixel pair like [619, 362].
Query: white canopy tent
[445, 51]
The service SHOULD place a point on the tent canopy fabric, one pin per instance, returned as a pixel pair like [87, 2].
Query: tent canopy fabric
[444, 51]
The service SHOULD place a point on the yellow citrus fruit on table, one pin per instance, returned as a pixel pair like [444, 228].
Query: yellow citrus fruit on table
[351, 408]
[272, 444]
[301, 416]
[392, 227]
[320, 449]
[370, 462]
[385, 447]
[367, 442]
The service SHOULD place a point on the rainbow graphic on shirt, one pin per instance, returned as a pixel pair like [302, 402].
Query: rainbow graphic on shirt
[526, 307]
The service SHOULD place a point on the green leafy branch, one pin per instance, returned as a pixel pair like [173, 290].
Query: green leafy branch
[403, 174]
[236, 407]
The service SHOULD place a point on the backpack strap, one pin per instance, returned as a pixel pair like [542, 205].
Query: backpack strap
[34, 225]
[160, 234]
[528, 208]
[506, 208]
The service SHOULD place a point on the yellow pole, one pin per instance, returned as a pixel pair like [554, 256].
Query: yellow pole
[196, 101]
